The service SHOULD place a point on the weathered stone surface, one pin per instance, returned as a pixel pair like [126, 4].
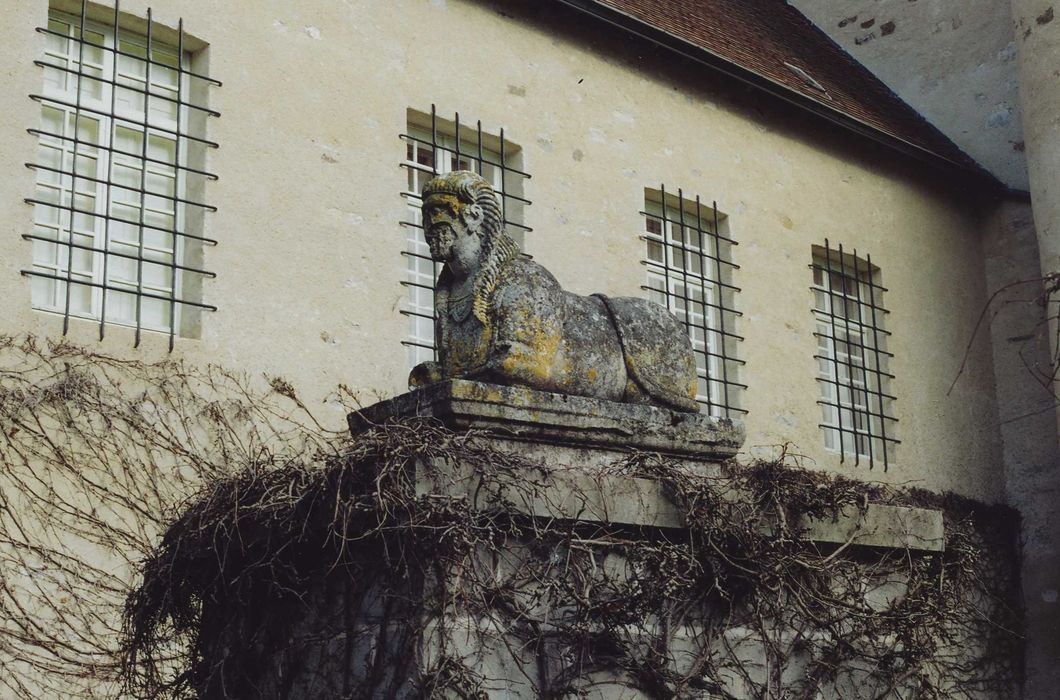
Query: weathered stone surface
[359, 631]
[579, 436]
[505, 319]
[537, 416]
[918, 529]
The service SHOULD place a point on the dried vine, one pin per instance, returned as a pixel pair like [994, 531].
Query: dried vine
[743, 605]
[168, 532]
[97, 456]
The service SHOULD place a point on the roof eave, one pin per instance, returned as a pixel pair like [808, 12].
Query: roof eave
[705, 57]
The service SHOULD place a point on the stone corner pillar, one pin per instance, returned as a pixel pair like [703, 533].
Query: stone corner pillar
[1037, 496]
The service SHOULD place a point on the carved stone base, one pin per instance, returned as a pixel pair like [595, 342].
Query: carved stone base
[351, 633]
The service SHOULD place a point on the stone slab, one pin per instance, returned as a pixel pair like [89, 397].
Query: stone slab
[900, 527]
[616, 499]
[543, 417]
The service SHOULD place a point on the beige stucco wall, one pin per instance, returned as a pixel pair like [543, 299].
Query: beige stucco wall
[309, 266]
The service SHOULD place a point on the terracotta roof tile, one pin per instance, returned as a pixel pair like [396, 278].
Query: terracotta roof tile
[774, 40]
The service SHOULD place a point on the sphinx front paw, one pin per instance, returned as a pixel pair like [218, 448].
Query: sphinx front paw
[425, 373]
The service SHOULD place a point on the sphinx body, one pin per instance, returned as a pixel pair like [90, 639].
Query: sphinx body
[504, 318]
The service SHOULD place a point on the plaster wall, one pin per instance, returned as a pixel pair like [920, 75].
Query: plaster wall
[954, 62]
[309, 263]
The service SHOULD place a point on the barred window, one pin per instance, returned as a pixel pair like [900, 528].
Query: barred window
[852, 360]
[118, 205]
[690, 272]
[432, 148]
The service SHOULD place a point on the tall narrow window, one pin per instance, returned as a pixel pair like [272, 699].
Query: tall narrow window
[118, 208]
[432, 147]
[689, 261]
[852, 361]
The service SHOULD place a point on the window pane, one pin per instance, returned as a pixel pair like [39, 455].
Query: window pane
[73, 169]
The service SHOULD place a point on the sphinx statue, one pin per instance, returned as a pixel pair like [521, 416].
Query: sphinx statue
[503, 318]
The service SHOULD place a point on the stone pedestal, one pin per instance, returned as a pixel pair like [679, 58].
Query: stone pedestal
[559, 582]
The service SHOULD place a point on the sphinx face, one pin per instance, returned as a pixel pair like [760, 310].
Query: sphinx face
[452, 235]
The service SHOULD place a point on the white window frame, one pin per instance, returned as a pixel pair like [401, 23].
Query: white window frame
[683, 276]
[851, 359]
[101, 103]
[422, 273]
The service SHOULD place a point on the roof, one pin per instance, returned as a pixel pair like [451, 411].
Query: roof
[791, 57]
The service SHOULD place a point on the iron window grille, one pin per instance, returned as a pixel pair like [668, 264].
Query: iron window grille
[118, 208]
[852, 360]
[690, 272]
[434, 146]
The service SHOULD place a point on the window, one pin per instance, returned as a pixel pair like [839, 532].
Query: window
[118, 200]
[851, 357]
[689, 261]
[431, 148]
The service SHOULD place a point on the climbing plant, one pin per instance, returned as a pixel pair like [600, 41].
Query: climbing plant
[178, 531]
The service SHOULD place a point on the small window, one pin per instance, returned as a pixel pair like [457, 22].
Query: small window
[852, 360]
[432, 148]
[118, 206]
[689, 261]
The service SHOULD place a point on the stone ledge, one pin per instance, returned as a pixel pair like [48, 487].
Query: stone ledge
[537, 416]
[580, 437]
[592, 497]
[896, 527]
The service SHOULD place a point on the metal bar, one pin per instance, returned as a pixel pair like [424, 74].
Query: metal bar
[721, 298]
[826, 314]
[706, 256]
[724, 238]
[876, 348]
[143, 185]
[435, 267]
[110, 167]
[41, 98]
[412, 224]
[111, 149]
[129, 188]
[864, 356]
[835, 349]
[456, 137]
[114, 253]
[73, 167]
[504, 203]
[415, 166]
[176, 186]
[710, 304]
[893, 441]
[843, 277]
[658, 266]
[118, 52]
[487, 161]
[146, 91]
[417, 285]
[192, 236]
[666, 251]
[112, 288]
[415, 344]
[873, 283]
[822, 402]
[417, 314]
[689, 303]
[478, 132]
[845, 364]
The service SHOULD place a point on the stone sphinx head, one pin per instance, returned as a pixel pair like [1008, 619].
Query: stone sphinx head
[464, 227]
[461, 218]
